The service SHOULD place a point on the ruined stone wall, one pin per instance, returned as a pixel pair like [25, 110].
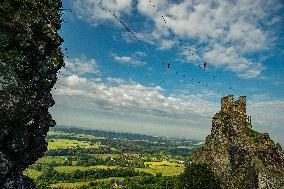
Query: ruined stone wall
[229, 105]
[241, 103]
[235, 107]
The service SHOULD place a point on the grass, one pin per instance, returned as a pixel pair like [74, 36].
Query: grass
[259, 164]
[66, 143]
[166, 168]
[69, 185]
[160, 163]
[50, 159]
[31, 173]
[85, 183]
[257, 137]
[105, 167]
[70, 169]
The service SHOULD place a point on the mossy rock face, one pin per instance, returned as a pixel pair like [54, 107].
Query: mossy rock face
[257, 137]
[260, 166]
[30, 57]
[241, 157]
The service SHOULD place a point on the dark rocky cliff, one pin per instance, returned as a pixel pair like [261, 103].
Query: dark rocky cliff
[30, 57]
[241, 157]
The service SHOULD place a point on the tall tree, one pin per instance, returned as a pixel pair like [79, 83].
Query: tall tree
[198, 176]
[30, 57]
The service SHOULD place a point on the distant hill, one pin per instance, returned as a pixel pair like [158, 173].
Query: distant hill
[111, 134]
[242, 157]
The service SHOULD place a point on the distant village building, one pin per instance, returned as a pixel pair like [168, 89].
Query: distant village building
[119, 184]
[128, 155]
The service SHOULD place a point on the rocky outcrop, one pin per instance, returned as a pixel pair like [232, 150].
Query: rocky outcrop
[241, 157]
[30, 57]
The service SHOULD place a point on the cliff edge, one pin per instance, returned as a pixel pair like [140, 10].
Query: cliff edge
[241, 157]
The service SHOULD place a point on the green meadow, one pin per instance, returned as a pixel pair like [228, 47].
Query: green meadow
[82, 159]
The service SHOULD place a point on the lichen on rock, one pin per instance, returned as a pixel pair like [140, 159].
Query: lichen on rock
[241, 157]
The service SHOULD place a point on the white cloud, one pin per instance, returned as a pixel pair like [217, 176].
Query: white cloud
[140, 108]
[127, 102]
[140, 54]
[236, 28]
[220, 56]
[133, 96]
[115, 80]
[145, 37]
[81, 66]
[131, 60]
[74, 80]
[267, 116]
[115, 102]
[93, 11]
[166, 44]
[248, 37]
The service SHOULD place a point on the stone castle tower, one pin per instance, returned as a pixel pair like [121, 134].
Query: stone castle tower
[233, 113]
[228, 104]
[236, 107]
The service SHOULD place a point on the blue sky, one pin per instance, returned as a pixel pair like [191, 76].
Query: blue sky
[114, 82]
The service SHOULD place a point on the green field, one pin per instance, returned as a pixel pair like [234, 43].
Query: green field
[166, 168]
[54, 133]
[32, 173]
[51, 159]
[140, 159]
[70, 169]
[85, 183]
[70, 185]
[67, 143]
